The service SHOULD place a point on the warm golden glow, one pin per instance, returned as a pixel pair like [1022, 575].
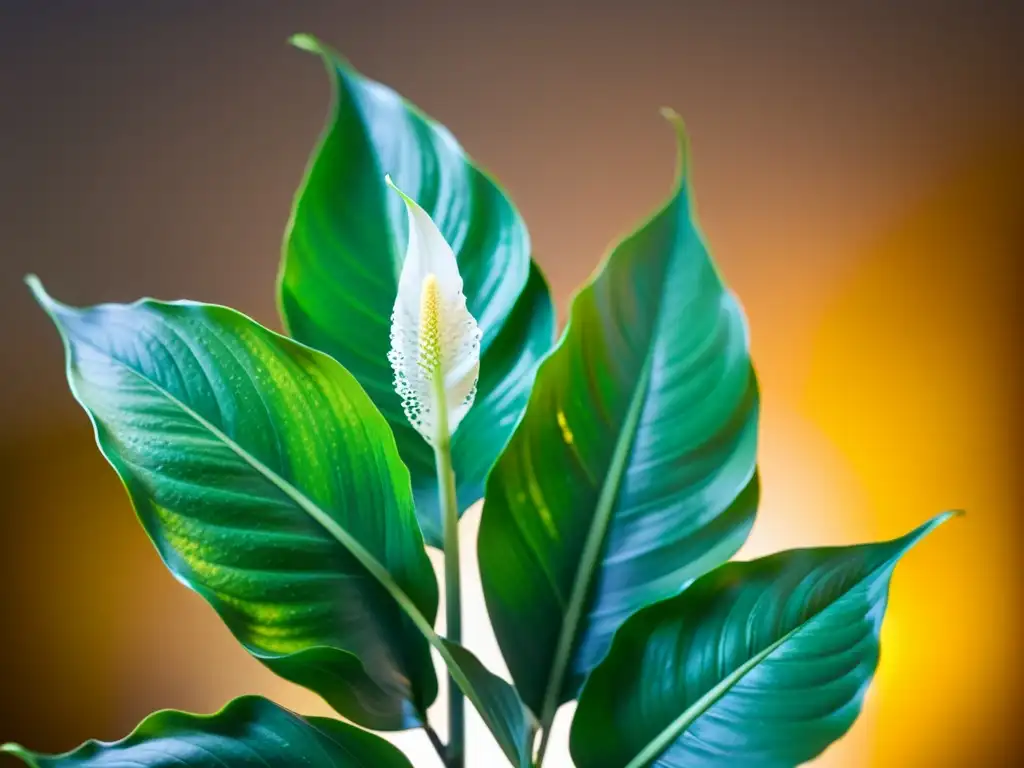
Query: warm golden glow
[851, 181]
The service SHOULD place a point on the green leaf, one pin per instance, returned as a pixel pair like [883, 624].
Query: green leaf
[344, 250]
[513, 725]
[633, 470]
[250, 732]
[271, 486]
[258, 467]
[761, 664]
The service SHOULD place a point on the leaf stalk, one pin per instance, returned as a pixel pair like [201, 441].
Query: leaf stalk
[452, 579]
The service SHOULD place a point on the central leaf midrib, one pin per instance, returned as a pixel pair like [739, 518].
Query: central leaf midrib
[365, 558]
[594, 542]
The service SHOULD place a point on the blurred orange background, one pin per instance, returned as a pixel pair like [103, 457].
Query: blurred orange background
[858, 169]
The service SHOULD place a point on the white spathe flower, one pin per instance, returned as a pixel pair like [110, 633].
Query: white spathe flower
[435, 341]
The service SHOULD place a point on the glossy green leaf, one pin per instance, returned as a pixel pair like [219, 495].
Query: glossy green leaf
[511, 723]
[633, 469]
[760, 664]
[255, 465]
[250, 732]
[271, 486]
[344, 250]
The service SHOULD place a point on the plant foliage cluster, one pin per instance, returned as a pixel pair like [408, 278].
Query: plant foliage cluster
[294, 482]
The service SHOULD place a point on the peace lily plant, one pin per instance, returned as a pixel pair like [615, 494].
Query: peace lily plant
[294, 482]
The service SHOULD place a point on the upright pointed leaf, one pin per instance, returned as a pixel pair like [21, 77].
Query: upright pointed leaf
[760, 664]
[272, 487]
[343, 255]
[633, 469]
[257, 466]
[250, 732]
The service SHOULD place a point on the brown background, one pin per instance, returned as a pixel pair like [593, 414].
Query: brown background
[859, 172]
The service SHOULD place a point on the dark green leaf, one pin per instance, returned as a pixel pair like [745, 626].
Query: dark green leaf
[760, 664]
[512, 724]
[633, 469]
[256, 466]
[345, 247]
[248, 733]
[272, 487]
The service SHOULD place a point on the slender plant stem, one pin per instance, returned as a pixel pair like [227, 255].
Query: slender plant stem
[545, 734]
[435, 740]
[452, 580]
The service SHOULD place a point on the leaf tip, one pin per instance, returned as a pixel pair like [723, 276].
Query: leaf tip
[672, 116]
[57, 311]
[35, 285]
[676, 121]
[943, 517]
[18, 751]
[926, 528]
[333, 60]
[306, 42]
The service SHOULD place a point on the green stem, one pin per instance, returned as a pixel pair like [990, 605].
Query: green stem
[545, 734]
[436, 742]
[452, 580]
